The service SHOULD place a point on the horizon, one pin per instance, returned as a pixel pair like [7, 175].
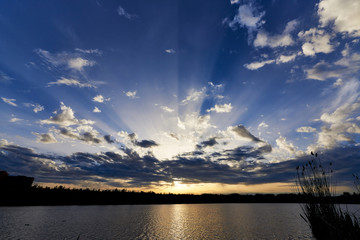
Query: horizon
[179, 96]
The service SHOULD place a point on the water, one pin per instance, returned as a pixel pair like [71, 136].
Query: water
[176, 221]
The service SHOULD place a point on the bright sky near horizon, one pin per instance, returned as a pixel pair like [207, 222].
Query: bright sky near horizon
[179, 95]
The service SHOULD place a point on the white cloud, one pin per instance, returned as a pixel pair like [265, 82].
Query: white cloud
[45, 138]
[13, 120]
[316, 41]
[66, 118]
[263, 125]
[225, 108]
[234, 1]
[131, 94]
[306, 129]
[194, 96]
[195, 123]
[338, 82]
[89, 51]
[73, 61]
[344, 14]
[340, 124]
[99, 98]
[71, 82]
[264, 39]
[170, 51]
[5, 78]
[3, 142]
[257, 65]
[36, 107]
[79, 63]
[167, 109]
[96, 110]
[121, 11]
[285, 58]
[284, 145]
[9, 101]
[247, 16]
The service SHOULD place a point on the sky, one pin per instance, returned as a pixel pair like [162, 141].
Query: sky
[179, 96]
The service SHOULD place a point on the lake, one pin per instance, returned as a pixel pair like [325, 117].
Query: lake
[174, 221]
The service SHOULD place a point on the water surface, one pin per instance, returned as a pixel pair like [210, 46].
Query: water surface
[176, 221]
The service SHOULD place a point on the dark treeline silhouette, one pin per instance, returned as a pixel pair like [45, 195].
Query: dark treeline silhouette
[37, 195]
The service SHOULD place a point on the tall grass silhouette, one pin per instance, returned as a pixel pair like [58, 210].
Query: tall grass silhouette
[326, 219]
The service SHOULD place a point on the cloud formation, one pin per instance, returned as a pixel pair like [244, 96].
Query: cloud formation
[131, 94]
[4, 78]
[66, 118]
[71, 82]
[100, 99]
[316, 41]
[122, 12]
[9, 101]
[343, 14]
[263, 39]
[225, 108]
[257, 65]
[241, 131]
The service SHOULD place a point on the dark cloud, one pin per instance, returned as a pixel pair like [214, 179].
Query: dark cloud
[243, 132]
[248, 166]
[208, 143]
[89, 137]
[108, 139]
[145, 143]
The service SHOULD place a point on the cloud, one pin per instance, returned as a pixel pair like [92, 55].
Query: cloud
[194, 96]
[234, 1]
[108, 139]
[208, 143]
[340, 124]
[257, 65]
[195, 123]
[247, 16]
[238, 165]
[316, 41]
[286, 58]
[306, 129]
[36, 107]
[241, 131]
[338, 82]
[72, 61]
[9, 101]
[82, 133]
[99, 98]
[5, 78]
[121, 11]
[263, 39]
[71, 82]
[170, 51]
[348, 66]
[79, 63]
[343, 14]
[46, 138]
[131, 94]
[225, 108]
[263, 125]
[167, 109]
[96, 110]
[145, 143]
[284, 145]
[13, 120]
[89, 51]
[66, 118]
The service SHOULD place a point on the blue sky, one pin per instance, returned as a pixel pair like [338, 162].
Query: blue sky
[179, 96]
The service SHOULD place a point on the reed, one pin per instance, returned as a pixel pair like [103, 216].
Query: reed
[326, 219]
